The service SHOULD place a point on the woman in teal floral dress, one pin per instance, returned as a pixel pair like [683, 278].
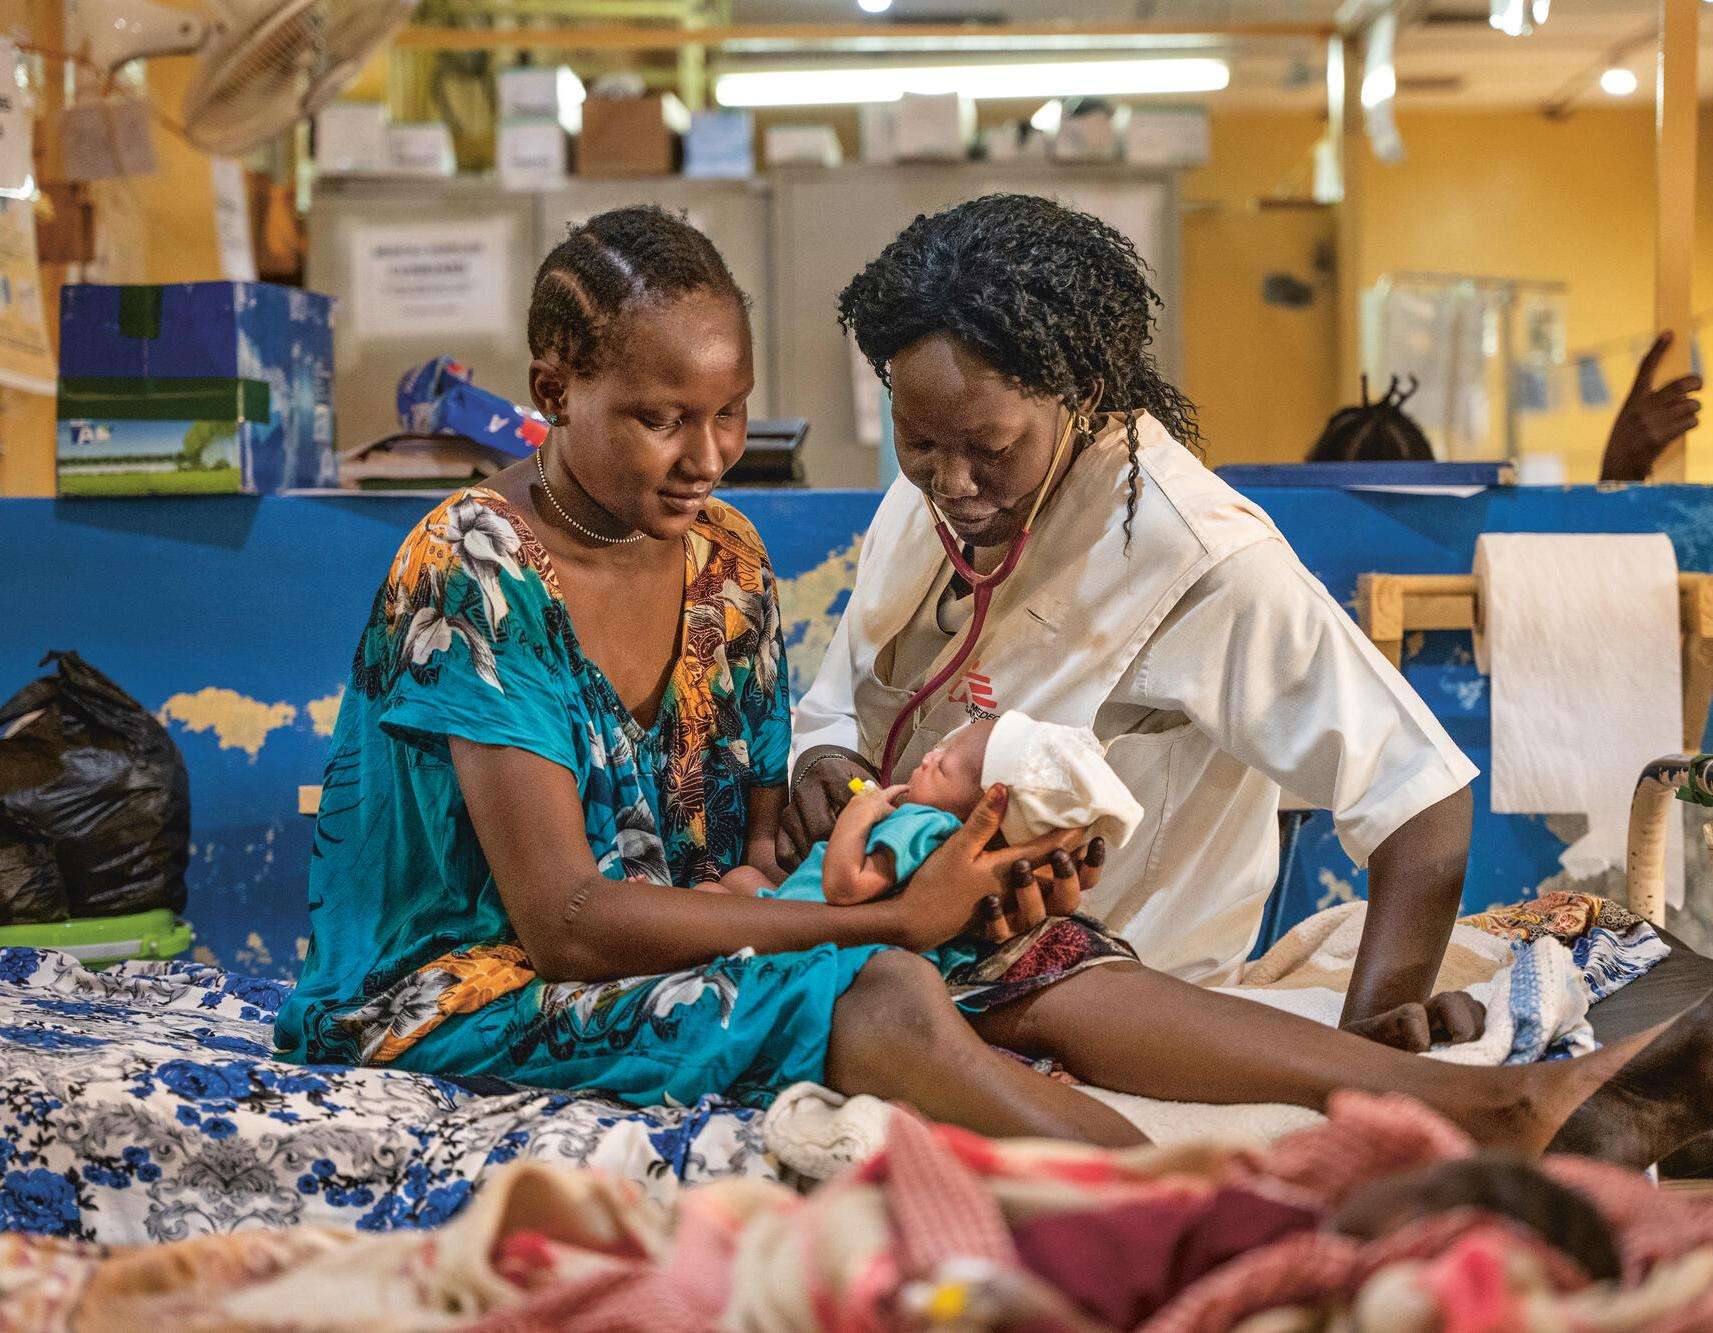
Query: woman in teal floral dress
[570, 696]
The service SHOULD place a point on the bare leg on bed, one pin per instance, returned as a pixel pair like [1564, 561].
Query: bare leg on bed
[1135, 1030]
[896, 1034]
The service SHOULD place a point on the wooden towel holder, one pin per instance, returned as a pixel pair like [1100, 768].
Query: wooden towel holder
[1391, 606]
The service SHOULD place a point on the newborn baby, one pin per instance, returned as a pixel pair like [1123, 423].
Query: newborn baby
[1057, 777]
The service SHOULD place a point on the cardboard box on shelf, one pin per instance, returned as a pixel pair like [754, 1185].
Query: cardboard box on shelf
[528, 92]
[194, 388]
[629, 136]
[415, 462]
[1092, 134]
[803, 146]
[65, 224]
[279, 231]
[1167, 137]
[934, 127]
[1015, 141]
[720, 145]
[420, 149]
[351, 139]
[877, 128]
[531, 155]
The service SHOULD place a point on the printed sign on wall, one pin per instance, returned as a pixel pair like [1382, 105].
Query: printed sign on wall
[431, 278]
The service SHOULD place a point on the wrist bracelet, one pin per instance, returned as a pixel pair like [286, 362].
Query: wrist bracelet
[810, 768]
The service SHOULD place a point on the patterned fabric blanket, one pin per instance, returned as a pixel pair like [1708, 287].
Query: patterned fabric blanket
[140, 1104]
[943, 1229]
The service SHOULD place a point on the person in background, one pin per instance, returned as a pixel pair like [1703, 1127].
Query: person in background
[1374, 432]
[1650, 419]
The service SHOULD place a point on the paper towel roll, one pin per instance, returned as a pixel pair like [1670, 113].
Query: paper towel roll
[1579, 632]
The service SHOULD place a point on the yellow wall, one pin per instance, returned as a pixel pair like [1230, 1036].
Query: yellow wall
[1502, 193]
[1518, 195]
[1261, 376]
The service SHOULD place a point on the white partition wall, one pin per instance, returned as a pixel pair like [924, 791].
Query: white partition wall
[829, 223]
[733, 214]
[424, 268]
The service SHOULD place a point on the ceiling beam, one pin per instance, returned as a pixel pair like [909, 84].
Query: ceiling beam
[632, 37]
[1565, 100]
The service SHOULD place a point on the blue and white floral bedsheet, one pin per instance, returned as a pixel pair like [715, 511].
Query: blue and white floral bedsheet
[140, 1104]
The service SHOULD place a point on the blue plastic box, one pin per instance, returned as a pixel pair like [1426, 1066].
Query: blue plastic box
[194, 388]
[720, 145]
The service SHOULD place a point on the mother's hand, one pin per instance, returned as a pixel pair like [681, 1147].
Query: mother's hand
[941, 898]
[1053, 889]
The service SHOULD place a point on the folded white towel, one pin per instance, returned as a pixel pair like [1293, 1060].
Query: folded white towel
[818, 1132]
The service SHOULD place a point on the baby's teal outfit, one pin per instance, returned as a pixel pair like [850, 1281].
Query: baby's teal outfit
[912, 833]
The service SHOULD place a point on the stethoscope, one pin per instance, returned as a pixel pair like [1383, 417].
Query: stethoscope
[981, 587]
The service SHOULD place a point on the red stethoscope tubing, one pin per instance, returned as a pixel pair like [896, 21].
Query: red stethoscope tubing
[981, 586]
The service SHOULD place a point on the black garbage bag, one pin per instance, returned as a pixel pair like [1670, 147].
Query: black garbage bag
[94, 801]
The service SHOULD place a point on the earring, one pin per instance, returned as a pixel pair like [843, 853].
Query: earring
[552, 418]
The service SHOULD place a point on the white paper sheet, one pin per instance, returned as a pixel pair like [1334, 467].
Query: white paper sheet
[425, 279]
[232, 221]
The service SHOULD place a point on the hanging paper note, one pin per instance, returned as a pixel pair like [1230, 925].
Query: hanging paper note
[17, 178]
[26, 358]
[1530, 391]
[1591, 383]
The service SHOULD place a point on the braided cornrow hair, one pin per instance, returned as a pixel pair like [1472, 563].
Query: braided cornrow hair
[607, 264]
[1374, 432]
[1050, 297]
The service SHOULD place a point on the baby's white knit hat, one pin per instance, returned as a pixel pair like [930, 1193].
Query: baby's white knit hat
[1058, 778]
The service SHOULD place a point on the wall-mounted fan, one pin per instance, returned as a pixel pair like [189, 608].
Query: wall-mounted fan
[263, 65]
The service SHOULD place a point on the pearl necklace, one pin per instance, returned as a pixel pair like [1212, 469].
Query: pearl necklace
[552, 499]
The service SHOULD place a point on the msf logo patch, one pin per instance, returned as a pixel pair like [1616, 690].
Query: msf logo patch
[975, 692]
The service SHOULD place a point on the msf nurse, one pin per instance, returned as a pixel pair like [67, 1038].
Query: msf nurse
[1151, 602]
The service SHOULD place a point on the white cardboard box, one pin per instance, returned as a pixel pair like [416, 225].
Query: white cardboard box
[1093, 136]
[878, 125]
[422, 149]
[934, 127]
[531, 155]
[803, 145]
[351, 138]
[1175, 137]
[528, 92]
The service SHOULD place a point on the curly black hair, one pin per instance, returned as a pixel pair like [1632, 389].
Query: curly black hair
[1375, 432]
[605, 265]
[1052, 298]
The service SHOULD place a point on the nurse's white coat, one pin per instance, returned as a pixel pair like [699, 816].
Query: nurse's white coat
[1214, 664]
